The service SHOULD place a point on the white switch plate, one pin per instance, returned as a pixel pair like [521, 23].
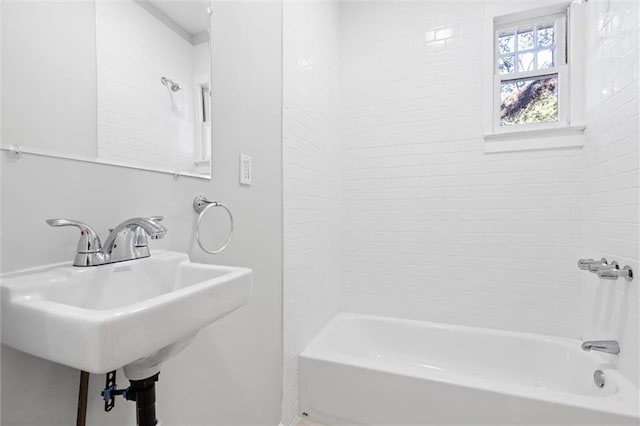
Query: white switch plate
[245, 169]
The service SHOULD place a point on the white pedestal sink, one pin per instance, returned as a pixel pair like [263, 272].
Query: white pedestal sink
[132, 314]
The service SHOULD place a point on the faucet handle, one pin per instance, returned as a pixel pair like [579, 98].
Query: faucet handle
[598, 264]
[591, 265]
[585, 263]
[608, 273]
[89, 239]
[613, 272]
[140, 235]
[89, 252]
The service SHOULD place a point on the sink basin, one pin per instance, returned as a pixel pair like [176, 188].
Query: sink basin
[105, 317]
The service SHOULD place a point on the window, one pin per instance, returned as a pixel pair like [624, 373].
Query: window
[535, 85]
[530, 72]
[205, 116]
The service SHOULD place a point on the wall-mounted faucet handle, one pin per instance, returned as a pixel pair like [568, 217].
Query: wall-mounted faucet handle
[594, 266]
[608, 273]
[89, 252]
[585, 263]
[613, 272]
[626, 273]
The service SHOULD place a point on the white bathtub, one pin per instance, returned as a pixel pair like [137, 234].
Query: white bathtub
[364, 369]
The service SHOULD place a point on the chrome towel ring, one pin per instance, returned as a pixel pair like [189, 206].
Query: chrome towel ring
[201, 205]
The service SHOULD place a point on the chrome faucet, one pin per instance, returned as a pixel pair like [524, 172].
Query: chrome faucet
[607, 346]
[126, 241]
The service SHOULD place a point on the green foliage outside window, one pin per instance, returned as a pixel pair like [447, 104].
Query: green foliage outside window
[530, 101]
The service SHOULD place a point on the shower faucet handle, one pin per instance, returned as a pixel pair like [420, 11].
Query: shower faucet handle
[591, 265]
[595, 266]
[613, 272]
[584, 263]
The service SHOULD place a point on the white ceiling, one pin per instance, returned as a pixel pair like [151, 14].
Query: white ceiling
[191, 15]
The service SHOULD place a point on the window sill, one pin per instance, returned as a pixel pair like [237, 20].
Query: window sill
[531, 140]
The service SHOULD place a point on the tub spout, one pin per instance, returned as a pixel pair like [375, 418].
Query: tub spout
[607, 346]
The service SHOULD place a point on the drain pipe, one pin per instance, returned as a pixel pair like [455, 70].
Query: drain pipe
[83, 392]
[143, 392]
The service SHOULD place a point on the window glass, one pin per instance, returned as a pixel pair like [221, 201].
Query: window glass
[528, 48]
[525, 39]
[506, 43]
[544, 58]
[525, 62]
[527, 101]
[545, 36]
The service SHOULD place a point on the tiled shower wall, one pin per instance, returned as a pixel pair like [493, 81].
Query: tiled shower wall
[610, 308]
[434, 228]
[140, 120]
[312, 181]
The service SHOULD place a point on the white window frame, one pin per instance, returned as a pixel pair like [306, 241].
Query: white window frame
[570, 121]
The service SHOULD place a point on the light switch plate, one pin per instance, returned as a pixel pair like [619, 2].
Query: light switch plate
[245, 169]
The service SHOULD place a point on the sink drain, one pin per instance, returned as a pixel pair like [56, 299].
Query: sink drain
[598, 378]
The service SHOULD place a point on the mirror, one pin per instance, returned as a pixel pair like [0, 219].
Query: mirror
[122, 82]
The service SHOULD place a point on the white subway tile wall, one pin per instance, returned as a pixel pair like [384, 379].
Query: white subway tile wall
[612, 186]
[434, 228]
[139, 119]
[312, 181]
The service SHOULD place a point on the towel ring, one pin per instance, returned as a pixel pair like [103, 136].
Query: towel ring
[201, 205]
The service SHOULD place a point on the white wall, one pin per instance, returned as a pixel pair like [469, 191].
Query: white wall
[312, 181]
[611, 226]
[434, 228]
[231, 373]
[55, 110]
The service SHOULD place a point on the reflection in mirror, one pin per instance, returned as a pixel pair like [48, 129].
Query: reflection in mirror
[119, 82]
[153, 83]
